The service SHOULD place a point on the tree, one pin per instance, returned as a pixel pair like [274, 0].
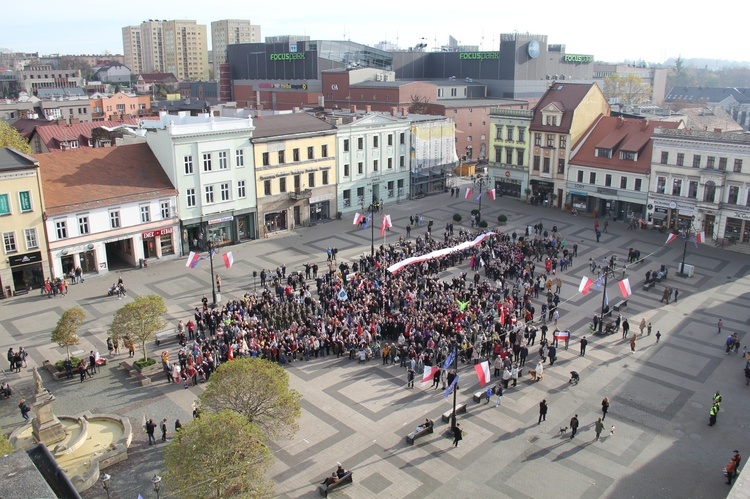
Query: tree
[140, 319]
[628, 89]
[9, 137]
[65, 333]
[419, 105]
[257, 389]
[219, 454]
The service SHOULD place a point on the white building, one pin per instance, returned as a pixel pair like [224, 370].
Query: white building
[210, 162]
[107, 208]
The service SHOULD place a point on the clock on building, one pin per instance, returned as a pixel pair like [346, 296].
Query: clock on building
[533, 49]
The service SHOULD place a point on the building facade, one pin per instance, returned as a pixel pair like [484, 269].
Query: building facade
[25, 261]
[433, 156]
[186, 50]
[372, 161]
[210, 162]
[34, 77]
[295, 158]
[119, 106]
[230, 32]
[98, 226]
[509, 141]
[701, 179]
[132, 48]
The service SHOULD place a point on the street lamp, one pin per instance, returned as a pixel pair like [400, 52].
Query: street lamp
[685, 231]
[481, 181]
[213, 280]
[156, 480]
[105, 483]
[372, 209]
[608, 269]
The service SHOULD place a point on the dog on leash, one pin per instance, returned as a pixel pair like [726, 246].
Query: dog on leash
[612, 431]
[563, 430]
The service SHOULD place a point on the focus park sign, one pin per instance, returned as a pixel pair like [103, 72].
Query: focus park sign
[578, 59]
[288, 56]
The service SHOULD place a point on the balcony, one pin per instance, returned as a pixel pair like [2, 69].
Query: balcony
[302, 194]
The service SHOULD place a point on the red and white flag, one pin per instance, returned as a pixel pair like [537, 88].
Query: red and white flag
[585, 285]
[228, 259]
[700, 237]
[483, 372]
[192, 260]
[625, 288]
[491, 192]
[671, 238]
[429, 373]
[469, 192]
[358, 217]
[562, 335]
[386, 225]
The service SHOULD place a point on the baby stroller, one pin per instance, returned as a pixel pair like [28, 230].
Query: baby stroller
[574, 377]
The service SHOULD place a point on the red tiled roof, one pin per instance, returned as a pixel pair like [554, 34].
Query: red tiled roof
[52, 135]
[26, 126]
[97, 177]
[566, 97]
[620, 134]
[158, 77]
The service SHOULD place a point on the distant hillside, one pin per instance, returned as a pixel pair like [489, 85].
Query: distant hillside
[711, 64]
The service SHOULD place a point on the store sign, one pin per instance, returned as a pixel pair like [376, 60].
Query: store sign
[284, 86]
[578, 58]
[507, 174]
[478, 55]
[24, 198]
[289, 56]
[26, 259]
[221, 220]
[159, 232]
[542, 183]
[4, 204]
[739, 214]
[673, 205]
[605, 190]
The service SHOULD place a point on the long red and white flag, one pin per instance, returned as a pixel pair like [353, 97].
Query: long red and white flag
[625, 288]
[671, 238]
[429, 373]
[469, 192]
[585, 285]
[491, 192]
[386, 225]
[228, 259]
[483, 372]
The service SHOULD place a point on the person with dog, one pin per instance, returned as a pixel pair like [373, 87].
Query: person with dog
[598, 427]
[573, 426]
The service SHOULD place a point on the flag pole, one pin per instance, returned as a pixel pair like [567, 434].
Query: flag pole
[213, 282]
[604, 297]
[455, 388]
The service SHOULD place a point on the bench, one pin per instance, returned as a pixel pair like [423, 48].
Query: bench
[648, 285]
[135, 373]
[608, 313]
[411, 437]
[460, 408]
[621, 303]
[50, 367]
[165, 335]
[325, 489]
[482, 394]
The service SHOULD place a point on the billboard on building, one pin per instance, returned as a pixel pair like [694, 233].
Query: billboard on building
[433, 144]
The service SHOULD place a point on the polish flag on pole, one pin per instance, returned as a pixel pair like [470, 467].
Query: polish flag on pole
[469, 192]
[429, 373]
[483, 372]
[386, 225]
[625, 288]
[491, 192]
[585, 285]
[671, 238]
[192, 260]
[358, 217]
[700, 237]
[228, 259]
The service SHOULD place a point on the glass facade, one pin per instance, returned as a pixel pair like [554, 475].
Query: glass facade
[350, 53]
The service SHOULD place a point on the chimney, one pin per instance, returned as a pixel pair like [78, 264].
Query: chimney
[620, 122]
[353, 109]
[394, 111]
[368, 108]
[404, 112]
[644, 125]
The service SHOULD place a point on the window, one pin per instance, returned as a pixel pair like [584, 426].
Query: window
[546, 167]
[734, 194]
[537, 162]
[710, 162]
[224, 189]
[209, 190]
[267, 187]
[608, 180]
[550, 140]
[360, 143]
[190, 196]
[628, 155]
[521, 134]
[737, 166]
[592, 177]
[24, 201]
[223, 160]
[661, 185]
[390, 139]
[696, 160]
[498, 155]
[709, 192]
[282, 184]
[31, 239]
[440, 92]
[623, 182]
[499, 132]
[325, 177]
[281, 157]
[266, 161]
[509, 136]
[164, 208]
[346, 145]
[401, 162]
[207, 162]
[114, 219]
[519, 157]
[74, 144]
[188, 161]
[83, 225]
[346, 170]
[537, 139]
[324, 151]
[347, 198]
[680, 159]
[561, 165]
[693, 189]
[563, 141]
[61, 229]
[665, 157]
[9, 240]
[295, 154]
[509, 155]
[638, 184]
[375, 165]
[390, 189]
[579, 176]
[360, 168]
[311, 179]
[468, 138]
[603, 153]
[296, 182]
[375, 141]
[676, 186]
[145, 214]
[239, 158]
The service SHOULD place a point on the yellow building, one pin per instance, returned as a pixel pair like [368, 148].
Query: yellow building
[295, 170]
[24, 261]
[186, 50]
[120, 105]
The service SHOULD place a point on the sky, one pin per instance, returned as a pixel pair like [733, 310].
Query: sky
[646, 30]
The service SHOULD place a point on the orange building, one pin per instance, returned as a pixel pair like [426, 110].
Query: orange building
[120, 105]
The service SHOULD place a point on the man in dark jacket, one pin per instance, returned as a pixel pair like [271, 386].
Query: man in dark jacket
[573, 426]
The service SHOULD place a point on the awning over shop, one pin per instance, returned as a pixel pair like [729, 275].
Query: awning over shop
[659, 216]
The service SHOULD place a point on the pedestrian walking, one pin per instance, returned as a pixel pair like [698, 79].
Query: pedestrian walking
[642, 325]
[488, 395]
[218, 283]
[712, 414]
[410, 378]
[632, 344]
[598, 427]
[164, 430]
[573, 426]
[719, 324]
[605, 408]
[24, 407]
[436, 378]
[457, 434]
[499, 392]
[584, 342]
[732, 468]
[150, 428]
[606, 224]
[177, 425]
[648, 330]
[676, 292]
[542, 411]
[658, 335]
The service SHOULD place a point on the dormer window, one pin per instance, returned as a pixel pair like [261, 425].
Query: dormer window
[628, 156]
[550, 120]
[603, 153]
[74, 144]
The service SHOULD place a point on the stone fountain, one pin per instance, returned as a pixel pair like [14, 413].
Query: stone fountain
[82, 445]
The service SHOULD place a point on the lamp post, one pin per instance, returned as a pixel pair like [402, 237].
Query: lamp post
[105, 483]
[156, 481]
[372, 210]
[455, 368]
[213, 280]
[481, 180]
[607, 269]
[686, 230]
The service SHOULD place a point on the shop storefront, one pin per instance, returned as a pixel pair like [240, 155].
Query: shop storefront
[427, 182]
[158, 243]
[275, 221]
[579, 201]
[672, 214]
[27, 271]
[320, 211]
[221, 230]
[541, 191]
[508, 186]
